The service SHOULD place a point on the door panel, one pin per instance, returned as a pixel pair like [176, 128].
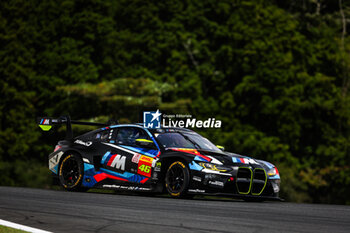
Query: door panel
[125, 156]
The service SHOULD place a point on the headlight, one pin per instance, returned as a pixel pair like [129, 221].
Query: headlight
[215, 167]
[273, 171]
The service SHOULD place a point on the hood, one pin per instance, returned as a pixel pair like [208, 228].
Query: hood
[224, 158]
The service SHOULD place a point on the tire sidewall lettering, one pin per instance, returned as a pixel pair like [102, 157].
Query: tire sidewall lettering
[186, 178]
[80, 172]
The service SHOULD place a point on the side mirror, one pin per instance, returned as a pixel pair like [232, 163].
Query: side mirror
[145, 143]
[220, 147]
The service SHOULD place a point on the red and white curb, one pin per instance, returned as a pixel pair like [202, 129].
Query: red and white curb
[21, 227]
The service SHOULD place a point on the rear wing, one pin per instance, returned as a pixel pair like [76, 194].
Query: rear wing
[46, 123]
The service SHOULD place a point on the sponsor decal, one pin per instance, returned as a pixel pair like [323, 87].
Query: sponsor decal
[196, 190]
[243, 160]
[117, 161]
[145, 163]
[144, 170]
[45, 124]
[196, 178]
[216, 183]
[145, 166]
[83, 143]
[151, 119]
[134, 188]
[136, 158]
[158, 167]
[146, 159]
[45, 121]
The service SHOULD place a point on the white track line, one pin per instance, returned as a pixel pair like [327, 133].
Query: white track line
[21, 227]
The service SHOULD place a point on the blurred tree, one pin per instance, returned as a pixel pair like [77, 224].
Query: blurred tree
[124, 98]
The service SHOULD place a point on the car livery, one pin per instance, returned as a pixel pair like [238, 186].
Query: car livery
[178, 161]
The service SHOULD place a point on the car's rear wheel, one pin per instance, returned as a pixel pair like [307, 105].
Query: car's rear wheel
[177, 179]
[71, 173]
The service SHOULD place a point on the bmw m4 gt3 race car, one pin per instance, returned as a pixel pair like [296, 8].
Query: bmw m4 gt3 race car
[178, 161]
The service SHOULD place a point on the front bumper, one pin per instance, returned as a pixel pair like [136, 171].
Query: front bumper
[243, 182]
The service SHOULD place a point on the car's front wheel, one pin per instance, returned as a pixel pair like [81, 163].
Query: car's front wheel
[177, 179]
[71, 172]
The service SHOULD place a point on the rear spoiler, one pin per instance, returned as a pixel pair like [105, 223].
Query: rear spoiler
[46, 123]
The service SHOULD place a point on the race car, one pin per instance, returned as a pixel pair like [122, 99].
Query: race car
[176, 161]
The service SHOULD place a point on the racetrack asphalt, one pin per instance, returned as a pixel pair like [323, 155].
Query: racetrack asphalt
[62, 211]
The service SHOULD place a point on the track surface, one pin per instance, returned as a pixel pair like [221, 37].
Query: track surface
[60, 211]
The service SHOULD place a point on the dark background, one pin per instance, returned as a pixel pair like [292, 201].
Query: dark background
[275, 72]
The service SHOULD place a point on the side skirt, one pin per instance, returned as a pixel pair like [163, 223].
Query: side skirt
[236, 196]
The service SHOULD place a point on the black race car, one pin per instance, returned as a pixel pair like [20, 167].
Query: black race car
[178, 161]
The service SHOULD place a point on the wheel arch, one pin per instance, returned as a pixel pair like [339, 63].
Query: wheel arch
[70, 151]
[168, 160]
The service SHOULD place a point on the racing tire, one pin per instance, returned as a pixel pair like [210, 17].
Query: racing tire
[177, 179]
[71, 173]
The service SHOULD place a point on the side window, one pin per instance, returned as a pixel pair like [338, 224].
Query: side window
[128, 136]
[102, 136]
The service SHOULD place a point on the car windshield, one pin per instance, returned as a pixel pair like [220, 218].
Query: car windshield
[185, 140]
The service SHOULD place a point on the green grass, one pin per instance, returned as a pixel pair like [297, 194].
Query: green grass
[4, 229]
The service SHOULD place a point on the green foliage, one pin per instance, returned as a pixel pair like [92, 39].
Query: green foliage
[10, 230]
[123, 97]
[275, 72]
[25, 173]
